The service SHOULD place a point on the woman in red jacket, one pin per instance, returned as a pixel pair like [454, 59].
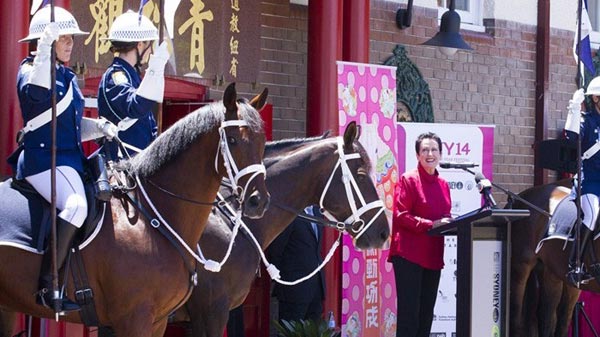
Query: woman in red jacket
[422, 202]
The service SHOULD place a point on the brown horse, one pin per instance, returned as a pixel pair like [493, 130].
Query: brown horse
[542, 300]
[137, 275]
[297, 171]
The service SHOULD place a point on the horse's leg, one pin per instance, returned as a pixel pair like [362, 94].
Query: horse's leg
[564, 313]
[7, 322]
[520, 272]
[158, 329]
[531, 302]
[138, 323]
[551, 289]
[215, 326]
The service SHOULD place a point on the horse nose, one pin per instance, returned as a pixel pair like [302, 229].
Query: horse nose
[257, 204]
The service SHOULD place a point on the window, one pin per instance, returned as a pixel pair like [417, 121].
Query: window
[469, 11]
[594, 14]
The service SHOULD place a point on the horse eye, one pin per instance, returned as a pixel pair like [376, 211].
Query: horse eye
[231, 140]
[361, 176]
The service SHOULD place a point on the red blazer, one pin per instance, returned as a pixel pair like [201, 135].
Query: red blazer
[420, 199]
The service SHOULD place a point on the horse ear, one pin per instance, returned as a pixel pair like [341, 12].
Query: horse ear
[259, 101]
[350, 135]
[230, 101]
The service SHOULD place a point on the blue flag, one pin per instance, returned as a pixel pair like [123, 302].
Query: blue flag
[142, 4]
[583, 49]
[37, 4]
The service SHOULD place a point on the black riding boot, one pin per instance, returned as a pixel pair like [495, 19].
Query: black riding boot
[574, 277]
[65, 232]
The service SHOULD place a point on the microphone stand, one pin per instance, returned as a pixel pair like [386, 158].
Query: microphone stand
[514, 196]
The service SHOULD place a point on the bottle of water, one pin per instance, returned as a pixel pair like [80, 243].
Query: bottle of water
[331, 321]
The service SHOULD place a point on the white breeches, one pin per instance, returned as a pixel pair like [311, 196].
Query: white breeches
[590, 205]
[70, 194]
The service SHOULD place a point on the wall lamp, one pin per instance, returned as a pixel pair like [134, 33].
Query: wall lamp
[448, 38]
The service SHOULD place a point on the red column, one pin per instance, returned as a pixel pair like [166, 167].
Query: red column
[14, 24]
[324, 49]
[356, 31]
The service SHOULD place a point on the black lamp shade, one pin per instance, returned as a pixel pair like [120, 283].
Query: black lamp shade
[449, 34]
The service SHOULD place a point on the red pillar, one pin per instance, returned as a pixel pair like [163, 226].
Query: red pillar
[324, 49]
[14, 24]
[356, 31]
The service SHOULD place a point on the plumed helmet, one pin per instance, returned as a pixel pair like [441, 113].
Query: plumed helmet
[127, 27]
[594, 87]
[67, 25]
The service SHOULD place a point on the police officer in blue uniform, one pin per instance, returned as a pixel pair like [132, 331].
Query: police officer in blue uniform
[33, 86]
[587, 126]
[125, 98]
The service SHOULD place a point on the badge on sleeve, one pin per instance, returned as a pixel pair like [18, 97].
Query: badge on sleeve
[119, 77]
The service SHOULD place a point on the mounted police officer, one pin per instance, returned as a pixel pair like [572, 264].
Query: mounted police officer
[587, 126]
[123, 97]
[35, 140]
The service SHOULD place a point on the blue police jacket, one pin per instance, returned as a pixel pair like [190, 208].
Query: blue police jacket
[117, 99]
[34, 100]
[590, 134]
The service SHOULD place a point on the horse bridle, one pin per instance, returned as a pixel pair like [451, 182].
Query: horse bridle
[232, 169]
[233, 173]
[354, 222]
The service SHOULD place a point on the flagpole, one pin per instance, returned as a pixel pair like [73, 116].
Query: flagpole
[53, 234]
[161, 31]
[579, 77]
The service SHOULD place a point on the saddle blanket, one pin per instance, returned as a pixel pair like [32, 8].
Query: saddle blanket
[560, 225]
[25, 220]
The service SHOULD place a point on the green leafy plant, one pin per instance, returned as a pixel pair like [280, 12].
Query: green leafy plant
[305, 328]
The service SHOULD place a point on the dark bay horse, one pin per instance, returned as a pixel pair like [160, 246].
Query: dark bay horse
[542, 300]
[137, 275]
[298, 172]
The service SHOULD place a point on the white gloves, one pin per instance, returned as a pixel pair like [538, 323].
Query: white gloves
[574, 117]
[40, 73]
[153, 84]
[92, 128]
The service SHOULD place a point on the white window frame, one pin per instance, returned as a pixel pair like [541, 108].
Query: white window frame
[595, 34]
[469, 20]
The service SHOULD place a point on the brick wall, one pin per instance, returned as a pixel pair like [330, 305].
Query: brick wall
[493, 84]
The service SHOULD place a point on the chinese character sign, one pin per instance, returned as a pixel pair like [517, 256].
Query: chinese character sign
[207, 38]
[367, 95]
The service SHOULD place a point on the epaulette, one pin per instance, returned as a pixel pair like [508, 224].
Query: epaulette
[119, 77]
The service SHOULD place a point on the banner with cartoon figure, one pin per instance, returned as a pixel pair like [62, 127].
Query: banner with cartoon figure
[367, 95]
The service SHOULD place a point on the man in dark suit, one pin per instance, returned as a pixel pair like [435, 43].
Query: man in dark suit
[297, 252]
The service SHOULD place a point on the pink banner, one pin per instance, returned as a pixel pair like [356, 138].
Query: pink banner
[367, 95]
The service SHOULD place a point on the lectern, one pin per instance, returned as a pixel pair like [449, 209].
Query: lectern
[483, 268]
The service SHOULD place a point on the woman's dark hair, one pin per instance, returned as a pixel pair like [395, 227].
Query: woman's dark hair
[122, 47]
[427, 135]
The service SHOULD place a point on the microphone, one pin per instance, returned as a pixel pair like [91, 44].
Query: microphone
[451, 165]
[485, 188]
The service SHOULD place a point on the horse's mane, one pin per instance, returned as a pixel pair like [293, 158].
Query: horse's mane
[274, 150]
[183, 133]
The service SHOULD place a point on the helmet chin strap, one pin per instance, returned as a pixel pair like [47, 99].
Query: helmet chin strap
[138, 58]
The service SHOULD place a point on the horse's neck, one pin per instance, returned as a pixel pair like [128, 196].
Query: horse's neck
[294, 182]
[191, 176]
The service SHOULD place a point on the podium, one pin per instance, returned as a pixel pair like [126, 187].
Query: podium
[483, 270]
